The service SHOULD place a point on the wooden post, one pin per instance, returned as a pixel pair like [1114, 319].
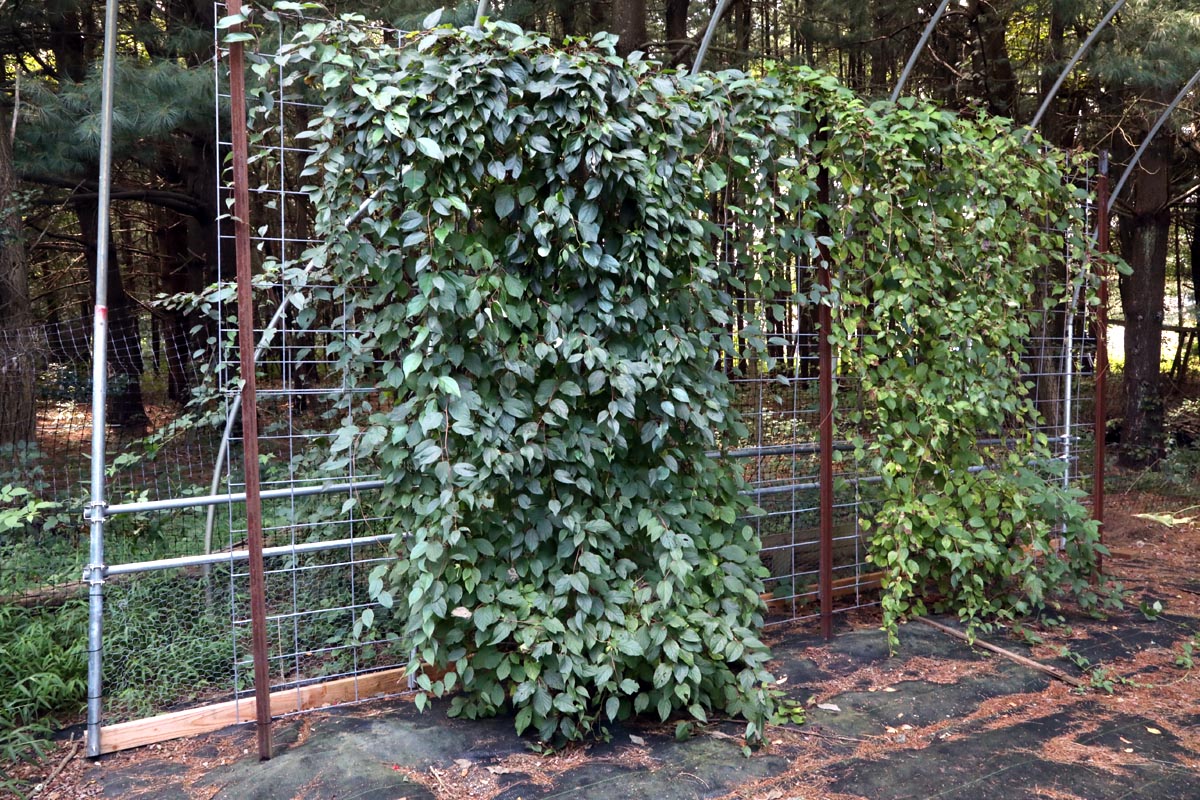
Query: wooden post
[245, 306]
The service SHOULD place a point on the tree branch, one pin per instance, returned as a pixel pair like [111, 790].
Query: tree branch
[176, 201]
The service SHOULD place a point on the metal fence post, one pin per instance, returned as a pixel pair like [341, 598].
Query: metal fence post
[245, 306]
[825, 420]
[93, 574]
[1100, 334]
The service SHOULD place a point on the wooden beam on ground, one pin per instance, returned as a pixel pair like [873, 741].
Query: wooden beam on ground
[49, 596]
[866, 582]
[1053, 672]
[205, 719]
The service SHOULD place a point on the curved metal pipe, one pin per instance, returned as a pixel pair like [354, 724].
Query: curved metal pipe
[235, 406]
[1137, 156]
[912, 59]
[719, 12]
[1083, 48]
[480, 12]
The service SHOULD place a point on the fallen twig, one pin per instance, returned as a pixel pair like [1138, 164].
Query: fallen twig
[832, 736]
[61, 766]
[1053, 672]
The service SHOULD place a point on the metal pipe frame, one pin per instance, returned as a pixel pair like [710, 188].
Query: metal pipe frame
[244, 555]
[1062, 76]
[210, 500]
[916, 53]
[480, 12]
[717, 14]
[1100, 334]
[1137, 156]
[809, 486]
[93, 574]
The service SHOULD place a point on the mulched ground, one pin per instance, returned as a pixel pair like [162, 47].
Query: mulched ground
[938, 719]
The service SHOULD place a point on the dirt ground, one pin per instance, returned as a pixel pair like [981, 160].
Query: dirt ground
[938, 719]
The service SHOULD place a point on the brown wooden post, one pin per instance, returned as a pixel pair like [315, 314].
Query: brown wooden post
[1100, 334]
[245, 306]
[825, 428]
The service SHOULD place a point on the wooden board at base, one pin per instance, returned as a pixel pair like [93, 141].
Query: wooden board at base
[205, 719]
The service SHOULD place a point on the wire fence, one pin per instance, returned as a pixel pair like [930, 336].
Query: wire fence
[164, 451]
[177, 610]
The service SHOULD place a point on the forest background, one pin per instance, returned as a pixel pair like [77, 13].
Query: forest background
[1000, 57]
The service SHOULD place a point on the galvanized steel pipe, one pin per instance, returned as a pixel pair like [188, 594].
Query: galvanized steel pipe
[94, 573]
[1062, 76]
[912, 59]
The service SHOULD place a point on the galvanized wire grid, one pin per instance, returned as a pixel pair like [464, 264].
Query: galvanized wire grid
[193, 622]
[781, 453]
[313, 599]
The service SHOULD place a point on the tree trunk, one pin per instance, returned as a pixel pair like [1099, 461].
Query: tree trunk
[125, 408]
[566, 16]
[999, 82]
[629, 23]
[1142, 292]
[676, 30]
[21, 348]
[742, 26]
[71, 36]
[1052, 123]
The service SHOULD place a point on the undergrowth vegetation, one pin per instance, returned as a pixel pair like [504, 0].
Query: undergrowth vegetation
[43, 673]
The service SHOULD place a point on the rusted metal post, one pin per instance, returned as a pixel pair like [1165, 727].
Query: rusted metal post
[245, 306]
[1100, 334]
[825, 420]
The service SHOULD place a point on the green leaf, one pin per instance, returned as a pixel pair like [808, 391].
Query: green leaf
[432, 18]
[430, 148]
[504, 204]
[411, 362]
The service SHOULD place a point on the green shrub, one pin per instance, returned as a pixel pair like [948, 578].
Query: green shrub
[956, 223]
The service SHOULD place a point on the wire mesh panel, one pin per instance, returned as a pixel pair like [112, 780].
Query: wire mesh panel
[168, 641]
[157, 451]
[321, 622]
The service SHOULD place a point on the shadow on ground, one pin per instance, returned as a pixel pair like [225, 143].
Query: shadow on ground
[938, 720]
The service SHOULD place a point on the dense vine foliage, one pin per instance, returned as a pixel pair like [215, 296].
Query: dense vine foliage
[534, 282]
[954, 228]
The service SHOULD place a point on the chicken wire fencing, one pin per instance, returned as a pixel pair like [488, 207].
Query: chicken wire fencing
[176, 620]
[156, 449]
